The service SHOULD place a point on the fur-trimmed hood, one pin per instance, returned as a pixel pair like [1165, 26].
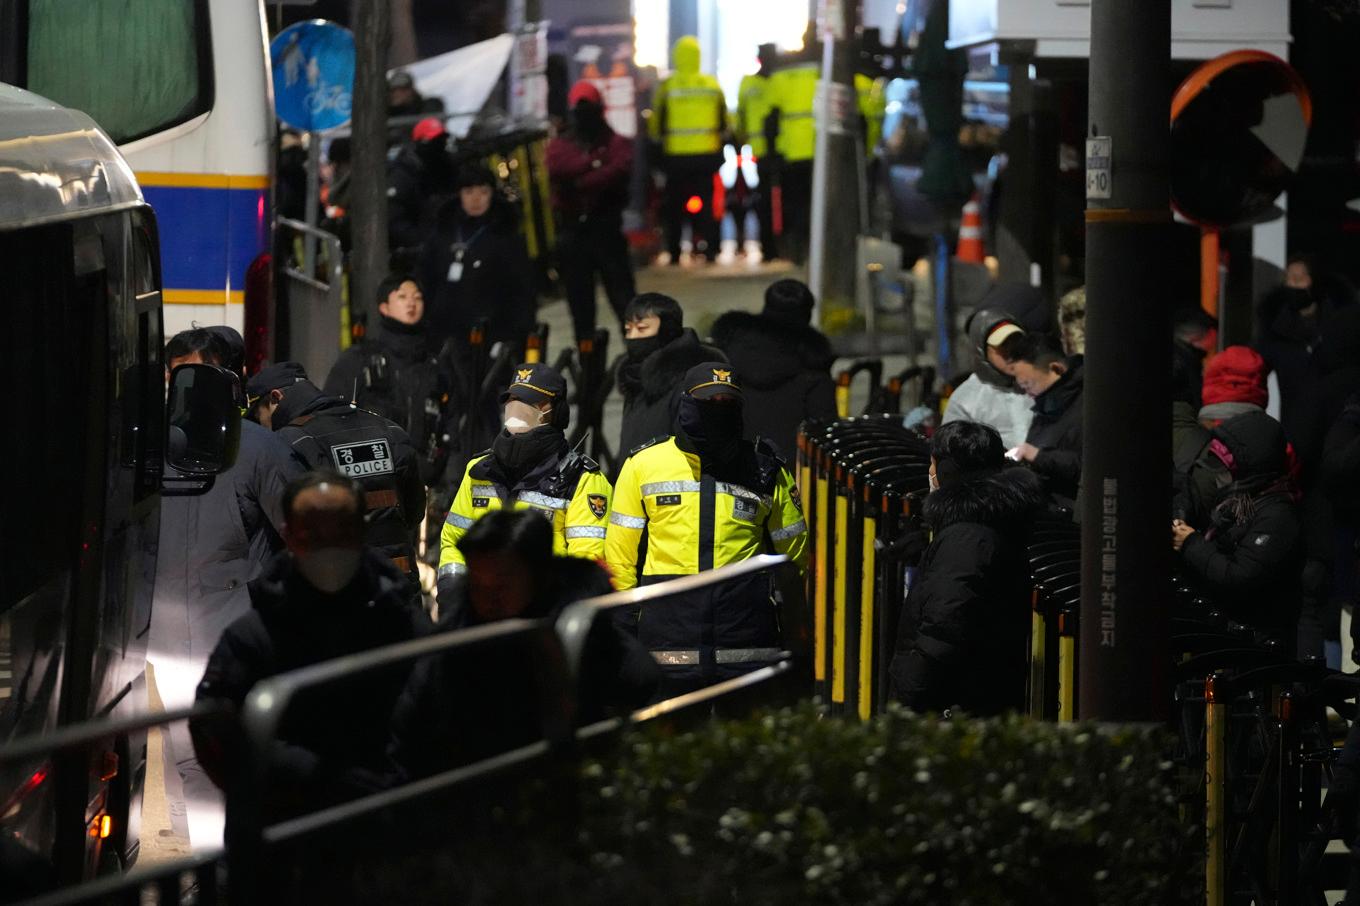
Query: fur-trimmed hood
[998, 500]
[661, 371]
[767, 352]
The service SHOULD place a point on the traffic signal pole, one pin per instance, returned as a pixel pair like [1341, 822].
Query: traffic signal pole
[1125, 508]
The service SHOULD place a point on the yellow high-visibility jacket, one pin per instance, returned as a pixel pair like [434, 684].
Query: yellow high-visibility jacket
[793, 91]
[873, 106]
[693, 522]
[575, 496]
[753, 106]
[689, 113]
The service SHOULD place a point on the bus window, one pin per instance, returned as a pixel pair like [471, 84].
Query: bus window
[44, 355]
[88, 61]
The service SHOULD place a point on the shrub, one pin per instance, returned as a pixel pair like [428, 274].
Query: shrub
[792, 807]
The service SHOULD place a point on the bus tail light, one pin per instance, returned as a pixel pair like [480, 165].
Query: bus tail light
[259, 311]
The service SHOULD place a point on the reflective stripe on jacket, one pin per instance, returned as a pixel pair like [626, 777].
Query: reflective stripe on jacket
[753, 106]
[578, 521]
[693, 522]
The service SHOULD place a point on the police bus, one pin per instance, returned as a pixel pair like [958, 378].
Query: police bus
[85, 446]
[182, 87]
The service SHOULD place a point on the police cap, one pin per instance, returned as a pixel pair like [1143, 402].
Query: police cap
[710, 379]
[274, 377]
[534, 384]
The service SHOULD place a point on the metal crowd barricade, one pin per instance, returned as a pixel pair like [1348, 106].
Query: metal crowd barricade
[317, 321]
[860, 480]
[844, 380]
[294, 858]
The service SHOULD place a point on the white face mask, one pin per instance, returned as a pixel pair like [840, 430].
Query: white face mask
[521, 417]
[328, 569]
[934, 482]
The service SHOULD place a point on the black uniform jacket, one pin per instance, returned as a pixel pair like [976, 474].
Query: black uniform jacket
[331, 742]
[329, 433]
[961, 639]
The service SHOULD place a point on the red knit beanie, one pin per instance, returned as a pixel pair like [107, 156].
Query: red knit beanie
[1235, 375]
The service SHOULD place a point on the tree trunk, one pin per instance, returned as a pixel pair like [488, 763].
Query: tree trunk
[369, 260]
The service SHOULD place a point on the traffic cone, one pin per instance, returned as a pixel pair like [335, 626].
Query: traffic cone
[970, 233]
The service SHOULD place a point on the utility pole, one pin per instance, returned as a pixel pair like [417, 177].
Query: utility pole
[836, 170]
[1125, 510]
[369, 260]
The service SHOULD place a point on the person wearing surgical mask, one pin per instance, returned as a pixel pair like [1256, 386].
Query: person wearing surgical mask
[530, 466]
[326, 596]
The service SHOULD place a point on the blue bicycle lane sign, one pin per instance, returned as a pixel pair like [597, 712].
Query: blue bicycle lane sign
[313, 64]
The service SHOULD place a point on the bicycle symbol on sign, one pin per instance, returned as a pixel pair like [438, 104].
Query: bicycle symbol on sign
[329, 97]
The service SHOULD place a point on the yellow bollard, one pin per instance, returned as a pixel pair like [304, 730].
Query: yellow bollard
[1215, 794]
[838, 615]
[1038, 657]
[1067, 669]
[867, 629]
[819, 580]
[843, 394]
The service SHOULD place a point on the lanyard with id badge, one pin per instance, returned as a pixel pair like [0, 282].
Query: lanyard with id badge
[459, 250]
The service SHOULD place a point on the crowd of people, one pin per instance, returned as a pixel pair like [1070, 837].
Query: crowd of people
[1263, 514]
[308, 547]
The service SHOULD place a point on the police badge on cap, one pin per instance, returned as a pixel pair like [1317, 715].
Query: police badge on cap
[711, 379]
[535, 383]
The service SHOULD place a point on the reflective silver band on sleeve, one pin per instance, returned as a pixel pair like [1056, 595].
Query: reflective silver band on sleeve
[584, 531]
[789, 531]
[457, 521]
[452, 569]
[486, 490]
[635, 522]
[667, 487]
[533, 498]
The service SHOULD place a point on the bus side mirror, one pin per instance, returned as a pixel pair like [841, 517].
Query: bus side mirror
[204, 419]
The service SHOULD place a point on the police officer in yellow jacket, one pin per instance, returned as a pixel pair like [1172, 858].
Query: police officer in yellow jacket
[791, 97]
[753, 121]
[689, 120]
[529, 467]
[701, 499]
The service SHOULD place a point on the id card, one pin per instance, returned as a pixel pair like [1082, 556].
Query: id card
[455, 271]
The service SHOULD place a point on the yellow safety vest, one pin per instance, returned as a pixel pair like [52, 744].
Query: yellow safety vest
[753, 106]
[688, 115]
[873, 107]
[578, 522]
[793, 91]
[661, 491]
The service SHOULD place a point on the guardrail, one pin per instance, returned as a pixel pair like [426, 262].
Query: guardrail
[255, 840]
[316, 318]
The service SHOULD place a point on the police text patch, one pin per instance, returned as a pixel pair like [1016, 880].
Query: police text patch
[744, 509]
[480, 502]
[668, 500]
[369, 457]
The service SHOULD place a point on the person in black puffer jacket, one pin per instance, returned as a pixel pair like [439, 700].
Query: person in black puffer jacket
[327, 596]
[1251, 558]
[961, 638]
[394, 373]
[1053, 445]
[659, 350]
[473, 703]
[784, 364]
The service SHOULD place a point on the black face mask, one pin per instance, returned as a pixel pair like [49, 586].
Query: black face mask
[639, 348]
[714, 428]
[518, 453]
[588, 120]
[1298, 299]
